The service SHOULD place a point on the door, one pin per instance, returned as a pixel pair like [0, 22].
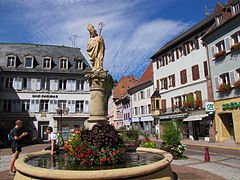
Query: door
[42, 130]
[228, 125]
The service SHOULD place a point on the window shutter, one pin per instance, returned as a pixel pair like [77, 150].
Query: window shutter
[157, 62]
[52, 85]
[198, 95]
[193, 73]
[184, 50]
[217, 82]
[212, 52]
[74, 85]
[69, 105]
[68, 85]
[73, 106]
[173, 81]
[28, 83]
[38, 84]
[56, 85]
[173, 57]
[86, 106]
[232, 77]
[180, 101]
[34, 84]
[158, 88]
[181, 77]
[196, 43]
[15, 85]
[164, 109]
[185, 76]
[172, 101]
[50, 109]
[205, 68]
[32, 105]
[196, 72]
[177, 53]
[227, 44]
[166, 83]
[37, 104]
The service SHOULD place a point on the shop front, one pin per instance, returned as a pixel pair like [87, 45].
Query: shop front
[227, 120]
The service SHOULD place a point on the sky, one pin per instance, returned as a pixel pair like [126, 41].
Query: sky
[134, 29]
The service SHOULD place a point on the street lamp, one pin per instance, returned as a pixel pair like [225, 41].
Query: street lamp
[61, 111]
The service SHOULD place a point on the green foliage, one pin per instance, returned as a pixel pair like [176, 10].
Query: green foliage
[130, 134]
[108, 86]
[60, 139]
[149, 144]
[172, 139]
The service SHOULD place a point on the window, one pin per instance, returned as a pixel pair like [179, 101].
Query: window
[8, 82]
[29, 62]
[183, 76]
[219, 19]
[164, 108]
[80, 64]
[220, 46]
[62, 84]
[135, 97]
[236, 37]
[164, 83]
[25, 105]
[149, 108]
[44, 105]
[7, 105]
[157, 63]
[63, 63]
[142, 110]
[192, 45]
[142, 95]
[236, 7]
[196, 43]
[205, 66]
[79, 106]
[225, 78]
[47, 62]
[148, 93]
[171, 80]
[62, 104]
[26, 83]
[178, 102]
[162, 62]
[80, 85]
[195, 72]
[136, 111]
[158, 85]
[11, 61]
[177, 53]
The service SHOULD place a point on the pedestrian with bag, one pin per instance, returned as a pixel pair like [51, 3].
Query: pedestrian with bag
[16, 134]
[53, 140]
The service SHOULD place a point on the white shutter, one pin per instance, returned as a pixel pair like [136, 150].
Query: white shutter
[212, 52]
[74, 82]
[86, 107]
[52, 85]
[38, 84]
[34, 84]
[86, 86]
[37, 105]
[20, 83]
[56, 85]
[69, 104]
[73, 106]
[68, 85]
[55, 102]
[32, 105]
[15, 83]
[217, 83]
[227, 44]
[232, 77]
[51, 105]
[28, 83]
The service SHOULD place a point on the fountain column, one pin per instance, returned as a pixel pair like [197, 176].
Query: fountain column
[96, 80]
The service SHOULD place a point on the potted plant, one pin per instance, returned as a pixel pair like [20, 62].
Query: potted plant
[237, 83]
[186, 104]
[235, 46]
[220, 53]
[198, 103]
[130, 138]
[224, 87]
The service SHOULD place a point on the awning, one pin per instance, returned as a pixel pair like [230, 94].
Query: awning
[195, 117]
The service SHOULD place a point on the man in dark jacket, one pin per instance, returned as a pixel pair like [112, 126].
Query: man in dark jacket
[17, 134]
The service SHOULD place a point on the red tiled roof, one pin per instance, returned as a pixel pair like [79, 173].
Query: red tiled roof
[123, 85]
[147, 75]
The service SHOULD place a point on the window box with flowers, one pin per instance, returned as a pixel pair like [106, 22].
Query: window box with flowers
[237, 83]
[220, 53]
[224, 87]
[235, 46]
[186, 104]
[198, 103]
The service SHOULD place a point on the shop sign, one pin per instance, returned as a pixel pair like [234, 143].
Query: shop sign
[209, 106]
[44, 96]
[232, 105]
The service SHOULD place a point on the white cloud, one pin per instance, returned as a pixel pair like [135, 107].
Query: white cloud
[131, 37]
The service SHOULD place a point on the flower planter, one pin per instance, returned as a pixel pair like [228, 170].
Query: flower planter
[237, 84]
[235, 46]
[224, 87]
[220, 53]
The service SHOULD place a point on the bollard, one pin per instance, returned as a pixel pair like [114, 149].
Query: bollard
[207, 155]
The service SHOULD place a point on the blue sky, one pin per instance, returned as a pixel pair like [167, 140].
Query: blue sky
[134, 29]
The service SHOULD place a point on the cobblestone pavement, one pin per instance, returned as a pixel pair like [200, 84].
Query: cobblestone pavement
[222, 165]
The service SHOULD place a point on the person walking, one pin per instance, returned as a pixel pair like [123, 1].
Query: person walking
[18, 134]
[53, 140]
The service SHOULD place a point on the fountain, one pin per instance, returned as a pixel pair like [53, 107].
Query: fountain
[29, 168]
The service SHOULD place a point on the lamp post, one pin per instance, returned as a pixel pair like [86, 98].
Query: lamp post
[61, 111]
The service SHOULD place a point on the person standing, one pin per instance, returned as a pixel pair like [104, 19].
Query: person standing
[18, 134]
[53, 140]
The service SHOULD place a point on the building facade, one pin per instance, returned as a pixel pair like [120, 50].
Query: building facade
[180, 75]
[223, 42]
[140, 97]
[37, 80]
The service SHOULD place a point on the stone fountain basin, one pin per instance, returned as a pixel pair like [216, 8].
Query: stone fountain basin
[157, 170]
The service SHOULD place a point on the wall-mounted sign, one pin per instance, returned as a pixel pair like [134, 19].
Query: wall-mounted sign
[232, 105]
[44, 96]
[209, 107]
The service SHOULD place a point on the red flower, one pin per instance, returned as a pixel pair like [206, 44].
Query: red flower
[101, 160]
[114, 153]
[124, 149]
[108, 159]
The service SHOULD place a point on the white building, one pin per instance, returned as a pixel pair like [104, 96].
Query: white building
[38, 79]
[180, 73]
[140, 94]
